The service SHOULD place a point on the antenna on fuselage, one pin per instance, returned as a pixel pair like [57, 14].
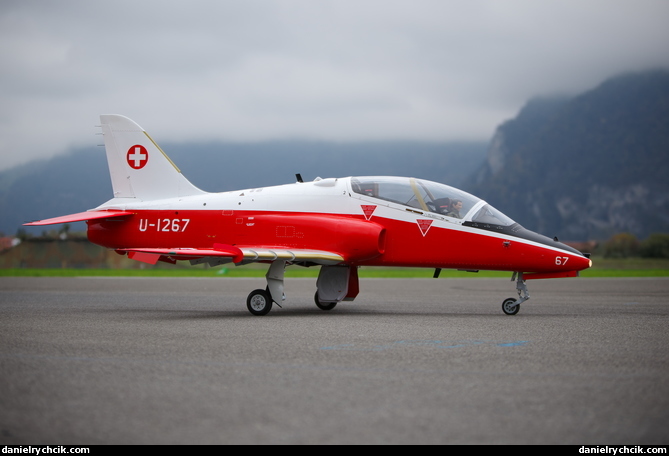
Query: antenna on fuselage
[298, 176]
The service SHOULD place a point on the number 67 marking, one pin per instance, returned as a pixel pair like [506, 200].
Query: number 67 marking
[561, 260]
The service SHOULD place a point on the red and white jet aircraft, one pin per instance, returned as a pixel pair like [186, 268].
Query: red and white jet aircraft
[339, 224]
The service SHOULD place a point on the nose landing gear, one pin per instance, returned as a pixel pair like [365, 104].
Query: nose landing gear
[511, 306]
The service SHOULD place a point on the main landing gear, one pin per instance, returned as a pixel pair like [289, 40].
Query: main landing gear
[511, 306]
[324, 305]
[334, 284]
[259, 302]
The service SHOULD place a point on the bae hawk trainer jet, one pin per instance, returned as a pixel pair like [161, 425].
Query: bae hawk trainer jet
[338, 224]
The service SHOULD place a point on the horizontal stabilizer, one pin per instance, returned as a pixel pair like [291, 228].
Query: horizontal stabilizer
[79, 217]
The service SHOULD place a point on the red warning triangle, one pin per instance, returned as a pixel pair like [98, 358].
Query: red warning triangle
[368, 210]
[424, 225]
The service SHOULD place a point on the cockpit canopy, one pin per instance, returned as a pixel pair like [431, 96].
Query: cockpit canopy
[431, 197]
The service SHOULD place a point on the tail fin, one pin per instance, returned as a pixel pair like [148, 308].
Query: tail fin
[138, 167]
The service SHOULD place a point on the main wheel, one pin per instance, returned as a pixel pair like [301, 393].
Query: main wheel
[508, 308]
[259, 302]
[324, 305]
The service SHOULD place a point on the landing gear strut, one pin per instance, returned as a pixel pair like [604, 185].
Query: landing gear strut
[511, 306]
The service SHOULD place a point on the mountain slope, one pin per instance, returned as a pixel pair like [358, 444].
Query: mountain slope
[585, 167]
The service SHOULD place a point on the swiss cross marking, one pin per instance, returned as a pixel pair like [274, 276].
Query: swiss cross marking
[137, 157]
[424, 225]
[368, 210]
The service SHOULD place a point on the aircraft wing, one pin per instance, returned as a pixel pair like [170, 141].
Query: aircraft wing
[221, 253]
[79, 217]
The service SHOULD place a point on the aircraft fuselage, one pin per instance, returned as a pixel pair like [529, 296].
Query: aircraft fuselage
[365, 231]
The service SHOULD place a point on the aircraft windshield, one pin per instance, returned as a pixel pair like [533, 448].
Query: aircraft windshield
[417, 193]
[490, 216]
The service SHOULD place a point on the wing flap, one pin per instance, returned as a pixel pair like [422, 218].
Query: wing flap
[79, 217]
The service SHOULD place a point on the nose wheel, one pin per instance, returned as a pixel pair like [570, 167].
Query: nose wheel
[510, 307]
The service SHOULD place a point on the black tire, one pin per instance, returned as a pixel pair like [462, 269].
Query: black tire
[259, 302]
[324, 305]
[507, 309]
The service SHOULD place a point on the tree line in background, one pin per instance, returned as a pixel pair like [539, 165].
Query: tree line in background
[625, 245]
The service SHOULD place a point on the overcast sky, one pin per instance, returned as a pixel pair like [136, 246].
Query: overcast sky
[319, 69]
